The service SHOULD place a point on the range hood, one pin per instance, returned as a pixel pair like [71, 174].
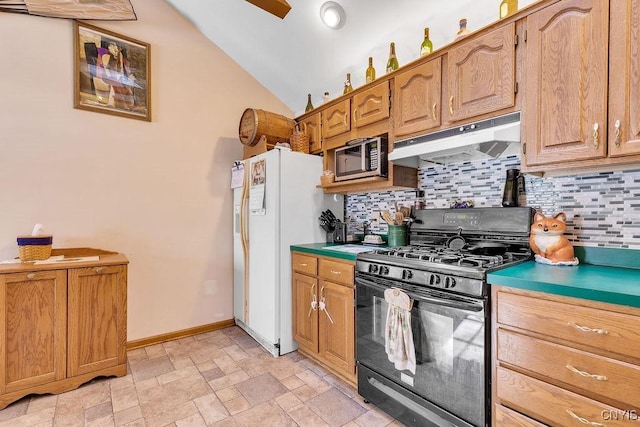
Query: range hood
[486, 139]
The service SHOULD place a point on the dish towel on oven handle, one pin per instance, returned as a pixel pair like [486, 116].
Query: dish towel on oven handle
[398, 337]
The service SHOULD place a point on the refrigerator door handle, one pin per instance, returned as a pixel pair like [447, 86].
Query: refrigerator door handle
[244, 237]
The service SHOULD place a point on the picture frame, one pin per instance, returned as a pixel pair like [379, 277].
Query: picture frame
[112, 73]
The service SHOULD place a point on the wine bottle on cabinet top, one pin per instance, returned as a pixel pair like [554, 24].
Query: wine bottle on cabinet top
[392, 63]
[426, 47]
[507, 7]
[309, 106]
[347, 84]
[371, 72]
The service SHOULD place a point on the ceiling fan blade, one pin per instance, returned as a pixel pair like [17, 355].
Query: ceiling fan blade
[279, 8]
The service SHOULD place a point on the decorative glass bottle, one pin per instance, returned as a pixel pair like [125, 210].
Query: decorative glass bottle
[463, 29]
[371, 72]
[426, 47]
[309, 106]
[347, 84]
[392, 63]
[507, 7]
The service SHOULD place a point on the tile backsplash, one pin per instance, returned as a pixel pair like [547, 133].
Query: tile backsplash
[603, 209]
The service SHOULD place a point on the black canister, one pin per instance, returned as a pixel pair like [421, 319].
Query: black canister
[510, 194]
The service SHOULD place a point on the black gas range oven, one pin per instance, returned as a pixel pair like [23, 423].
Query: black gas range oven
[445, 380]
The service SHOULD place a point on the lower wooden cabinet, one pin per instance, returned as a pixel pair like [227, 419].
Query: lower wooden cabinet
[563, 361]
[323, 311]
[63, 324]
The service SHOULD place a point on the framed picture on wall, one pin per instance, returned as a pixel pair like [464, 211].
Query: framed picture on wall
[111, 73]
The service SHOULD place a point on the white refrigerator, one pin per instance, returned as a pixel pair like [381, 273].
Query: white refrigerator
[277, 206]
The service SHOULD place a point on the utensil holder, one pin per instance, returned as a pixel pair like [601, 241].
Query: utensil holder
[397, 235]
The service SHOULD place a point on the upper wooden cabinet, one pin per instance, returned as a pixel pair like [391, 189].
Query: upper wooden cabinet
[416, 98]
[371, 105]
[336, 119]
[565, 110]
[624, 78]
[481, 75]
[311, 127]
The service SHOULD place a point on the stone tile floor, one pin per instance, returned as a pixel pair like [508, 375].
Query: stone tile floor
[220, 378]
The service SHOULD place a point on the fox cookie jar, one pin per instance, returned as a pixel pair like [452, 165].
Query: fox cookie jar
[547, 240]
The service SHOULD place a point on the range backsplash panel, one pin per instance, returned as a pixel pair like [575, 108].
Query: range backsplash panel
[603, 209]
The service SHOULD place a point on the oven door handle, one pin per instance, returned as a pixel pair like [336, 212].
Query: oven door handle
[449, 301]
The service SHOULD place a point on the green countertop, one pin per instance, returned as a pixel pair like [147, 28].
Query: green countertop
[616, 282]
[348, 251]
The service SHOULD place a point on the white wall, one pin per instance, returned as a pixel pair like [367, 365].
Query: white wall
[157, 192]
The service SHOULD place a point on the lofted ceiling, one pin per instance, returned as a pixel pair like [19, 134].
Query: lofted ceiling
[299, 54]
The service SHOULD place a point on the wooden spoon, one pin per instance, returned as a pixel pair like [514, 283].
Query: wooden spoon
[386, 215]
[399, 218]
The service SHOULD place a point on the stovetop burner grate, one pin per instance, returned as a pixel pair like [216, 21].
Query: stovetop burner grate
[447, 256]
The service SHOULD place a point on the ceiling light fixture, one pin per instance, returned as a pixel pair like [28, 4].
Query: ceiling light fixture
[332, 14]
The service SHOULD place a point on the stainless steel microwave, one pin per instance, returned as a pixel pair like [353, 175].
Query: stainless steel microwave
[362, 158]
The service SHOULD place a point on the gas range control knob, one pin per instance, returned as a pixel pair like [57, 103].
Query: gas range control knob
[449, 282]
[373, 268]
[407, 274]
[384, 270]
[434, 280]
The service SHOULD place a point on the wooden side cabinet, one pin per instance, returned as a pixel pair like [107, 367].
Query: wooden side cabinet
[323, 311]
[63, 323]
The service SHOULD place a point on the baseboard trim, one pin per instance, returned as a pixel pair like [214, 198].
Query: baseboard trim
[179, 334]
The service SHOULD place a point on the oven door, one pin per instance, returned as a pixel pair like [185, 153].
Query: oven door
[450, 340]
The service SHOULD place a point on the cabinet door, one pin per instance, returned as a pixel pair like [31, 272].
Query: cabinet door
[371, 106]
[305, 319]
[565, 110]
[624, 78]
[336, 119]
[33, 321]
[416, 98]
[337, 331]
[481, 75]
[312, 129]
[97, 334]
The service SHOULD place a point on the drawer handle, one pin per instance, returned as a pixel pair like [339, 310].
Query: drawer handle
[335, 272]
[588, 329]
[31, 276]
[303, 264]
[586, 374]
[99, 270]
[584, 420]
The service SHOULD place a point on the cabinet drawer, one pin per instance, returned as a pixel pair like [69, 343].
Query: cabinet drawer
[604, 330]
[553, 405]
[506, 417]
[304, 263]
[337, 271]
[593, 375]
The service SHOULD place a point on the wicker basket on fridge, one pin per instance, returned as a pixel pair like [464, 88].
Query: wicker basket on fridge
[300, 140]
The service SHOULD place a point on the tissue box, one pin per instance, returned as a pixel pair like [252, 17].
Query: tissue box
[34, 248]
